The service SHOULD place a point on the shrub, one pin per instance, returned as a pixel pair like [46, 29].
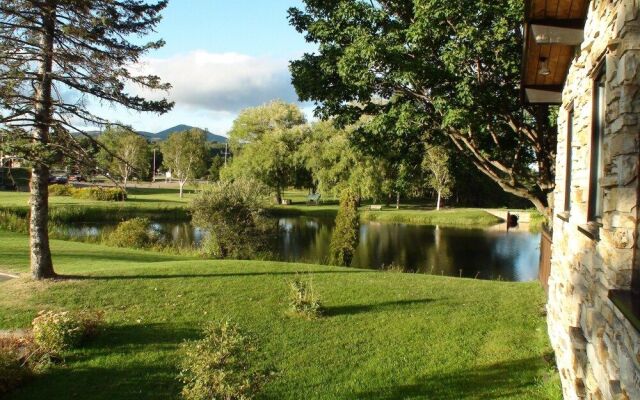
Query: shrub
[232, 212]
[393, 267]
[14, 221]
[344, 239]
[218, 365]
[303, 300]
[13, 369]
[100, 194]
[61, 190]
[54, 333]
[132, 233]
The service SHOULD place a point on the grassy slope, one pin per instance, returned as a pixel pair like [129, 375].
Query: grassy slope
[385, 336]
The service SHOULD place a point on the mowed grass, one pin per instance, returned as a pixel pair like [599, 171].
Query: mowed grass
[384, 335]
[137, 197]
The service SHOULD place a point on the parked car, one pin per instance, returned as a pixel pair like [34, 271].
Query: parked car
[58, 179]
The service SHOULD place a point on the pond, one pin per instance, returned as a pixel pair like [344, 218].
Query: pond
[492, 253]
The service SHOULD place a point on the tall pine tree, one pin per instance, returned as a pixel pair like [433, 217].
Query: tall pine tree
[55, 57]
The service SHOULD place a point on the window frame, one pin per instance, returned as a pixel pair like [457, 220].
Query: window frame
[568, 160]
[598, 126]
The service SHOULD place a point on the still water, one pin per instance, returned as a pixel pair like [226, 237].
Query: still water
[490, 253]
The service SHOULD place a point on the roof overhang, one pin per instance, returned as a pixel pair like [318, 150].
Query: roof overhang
[552, 31]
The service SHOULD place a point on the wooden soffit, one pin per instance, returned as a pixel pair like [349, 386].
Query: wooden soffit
[553, 28]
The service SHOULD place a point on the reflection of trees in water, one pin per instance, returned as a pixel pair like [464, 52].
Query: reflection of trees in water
[304, 239]
[512, 256]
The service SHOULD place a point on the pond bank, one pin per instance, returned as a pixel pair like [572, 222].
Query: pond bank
[482, 253]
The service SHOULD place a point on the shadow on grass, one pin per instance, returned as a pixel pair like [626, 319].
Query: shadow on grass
[353, 309]
[192, 276]
[511, 379]
[139, 362]
[126, 338]
[122, 362]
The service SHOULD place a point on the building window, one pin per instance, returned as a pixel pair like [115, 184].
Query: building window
[567, 173]
[598, 124]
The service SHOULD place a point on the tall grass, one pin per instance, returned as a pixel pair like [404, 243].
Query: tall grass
[458, 217]
[71, 214]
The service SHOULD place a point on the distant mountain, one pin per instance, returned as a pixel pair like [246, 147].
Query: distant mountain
[163, 135]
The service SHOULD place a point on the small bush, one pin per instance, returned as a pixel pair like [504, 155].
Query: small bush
[54, 333]
[218, 365]
[14, 353]
[100, 194]
[133, 233]
[303, 300]
[344, 239]
[61, 190]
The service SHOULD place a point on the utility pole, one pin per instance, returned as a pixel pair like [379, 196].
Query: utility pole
[154, 165]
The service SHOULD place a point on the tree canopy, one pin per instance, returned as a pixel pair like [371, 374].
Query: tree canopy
[255, 122]
[431, 67]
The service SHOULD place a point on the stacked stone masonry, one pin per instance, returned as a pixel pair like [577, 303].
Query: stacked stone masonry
[597, 349]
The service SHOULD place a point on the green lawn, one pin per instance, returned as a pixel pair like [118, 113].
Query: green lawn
[385, 335]
[138, 198]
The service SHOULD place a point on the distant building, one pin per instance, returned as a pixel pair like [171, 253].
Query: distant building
[585, 56]
[8, 161]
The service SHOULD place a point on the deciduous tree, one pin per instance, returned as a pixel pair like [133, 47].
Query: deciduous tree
[184, 154]
[56, 56]
[124, 154]
[436, 165]
[456, 64]
[265, 141]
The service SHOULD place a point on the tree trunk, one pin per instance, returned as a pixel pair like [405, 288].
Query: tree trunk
[397, 200]
[438, 203]
[181, 183]
[278, 195]
[41, 263]
[388, 201]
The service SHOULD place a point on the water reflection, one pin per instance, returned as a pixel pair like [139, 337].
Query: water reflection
[482, 253]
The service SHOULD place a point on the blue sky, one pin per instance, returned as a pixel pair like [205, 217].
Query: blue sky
[221, 56]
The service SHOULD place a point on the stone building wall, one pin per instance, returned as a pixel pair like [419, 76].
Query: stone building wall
[597, 349]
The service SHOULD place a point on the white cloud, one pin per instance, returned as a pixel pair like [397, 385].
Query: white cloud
[223, 82]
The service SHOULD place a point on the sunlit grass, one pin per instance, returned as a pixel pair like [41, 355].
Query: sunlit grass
[383, 336]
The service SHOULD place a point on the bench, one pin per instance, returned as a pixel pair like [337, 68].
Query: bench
[375, 207]
[313, 198]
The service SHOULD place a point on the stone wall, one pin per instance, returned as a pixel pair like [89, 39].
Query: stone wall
[597, 349]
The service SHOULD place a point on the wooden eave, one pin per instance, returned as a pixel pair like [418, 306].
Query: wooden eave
[565, 14]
